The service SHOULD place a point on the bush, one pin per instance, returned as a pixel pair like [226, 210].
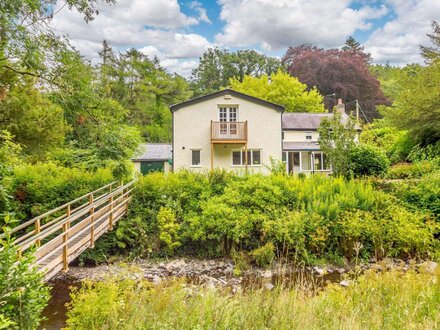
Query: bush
[264, 255]
[23, 294]
[367, 161]
[302, 219]
[411, 171]
[42, 187]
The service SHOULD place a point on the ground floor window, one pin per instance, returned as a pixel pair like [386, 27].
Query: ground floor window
[195, 157]
[253, 157]
[306, 161]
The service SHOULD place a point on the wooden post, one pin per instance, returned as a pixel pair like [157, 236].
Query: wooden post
[66, 247]
[92, 221]
[111, 214]
[212, 156]
[37, 231]
[245, 158]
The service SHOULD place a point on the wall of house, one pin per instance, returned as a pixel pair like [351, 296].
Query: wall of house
[300, 136]
[166, 166]
[192, 125]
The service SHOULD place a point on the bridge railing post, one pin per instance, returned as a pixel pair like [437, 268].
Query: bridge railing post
[37, 231]
[66, 227]
[110, 224]
[92, 222]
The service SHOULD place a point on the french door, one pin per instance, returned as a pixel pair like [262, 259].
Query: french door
[228, 119]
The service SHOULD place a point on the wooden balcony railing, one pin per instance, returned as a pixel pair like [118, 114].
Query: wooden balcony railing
[229, 132]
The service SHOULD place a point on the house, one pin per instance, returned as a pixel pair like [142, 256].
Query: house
[234, 131]
[228, 130]
[154, 157]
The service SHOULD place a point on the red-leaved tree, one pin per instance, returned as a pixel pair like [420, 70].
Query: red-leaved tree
[343, 72]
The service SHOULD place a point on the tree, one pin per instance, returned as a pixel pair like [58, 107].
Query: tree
[366, 160]
[352, 44]
[336, 140]
[343, 73]
[282, 89]
[416, 106]
[218, 66]
[431, 53]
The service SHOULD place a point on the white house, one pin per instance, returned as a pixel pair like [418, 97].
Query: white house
[242, 133]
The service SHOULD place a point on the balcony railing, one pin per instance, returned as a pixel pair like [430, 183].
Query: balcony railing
[229, 131]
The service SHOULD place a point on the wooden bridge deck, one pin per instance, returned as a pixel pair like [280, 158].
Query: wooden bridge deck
[63, 233]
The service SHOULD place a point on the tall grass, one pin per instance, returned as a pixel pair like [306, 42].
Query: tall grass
[392, 300]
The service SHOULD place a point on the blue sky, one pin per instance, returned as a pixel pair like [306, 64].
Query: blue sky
[179, 31]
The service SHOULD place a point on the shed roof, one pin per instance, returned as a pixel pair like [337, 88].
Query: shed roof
[227, 91]
[154, 151]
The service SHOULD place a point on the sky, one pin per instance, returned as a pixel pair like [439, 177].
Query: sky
[179, 31]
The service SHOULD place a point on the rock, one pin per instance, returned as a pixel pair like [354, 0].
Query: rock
[228, 270]
[341, 270]
[344, 283]
[267, 274]
[156, 279]
[319, 271]
[429, 266]
[269, 286]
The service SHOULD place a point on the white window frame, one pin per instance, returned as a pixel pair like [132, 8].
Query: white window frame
[242, 159]
[228, 106]
[309, 134]
[200, 157]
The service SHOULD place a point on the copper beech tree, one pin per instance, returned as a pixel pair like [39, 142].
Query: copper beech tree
[344, 73]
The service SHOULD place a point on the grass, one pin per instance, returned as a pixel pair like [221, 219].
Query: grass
[391, 300]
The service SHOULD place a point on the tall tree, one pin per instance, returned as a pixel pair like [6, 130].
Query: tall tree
[282, 89]
[352, 44]
[217, 66]
[431, 53]
[344, 74]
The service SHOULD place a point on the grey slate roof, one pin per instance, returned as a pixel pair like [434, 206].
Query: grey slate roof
[306, 120]
[154, 151]
[227, 91]
[312, 146]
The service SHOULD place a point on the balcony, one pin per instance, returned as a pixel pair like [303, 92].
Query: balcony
[229, 132]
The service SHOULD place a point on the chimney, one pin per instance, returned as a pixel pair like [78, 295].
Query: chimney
[340, 107]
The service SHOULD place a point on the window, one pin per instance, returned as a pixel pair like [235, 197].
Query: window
[253, 157]
[195, 157]
[308, 135]
[228, 116]
[321, 162]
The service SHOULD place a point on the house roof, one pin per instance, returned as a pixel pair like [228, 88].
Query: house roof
[154, 151]
[307, 121]
[311, 146]
[227, 91]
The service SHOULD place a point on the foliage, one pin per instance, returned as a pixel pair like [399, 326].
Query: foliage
[373, 301]
[366, 160]
[218, 66]
[410, 171]
[264, 255]
[432, 53]
[42, 187]
[168, 228]
[344, 73]
[416, 106]
[336, 140]
[281, 89]
[304, 219]
[23, 294]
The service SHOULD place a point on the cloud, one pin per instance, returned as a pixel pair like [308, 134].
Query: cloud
[278, 24]
[149, 25]
[399, 39]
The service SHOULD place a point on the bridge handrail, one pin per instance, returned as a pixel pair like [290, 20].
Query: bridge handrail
[59, 208]
[58, 225]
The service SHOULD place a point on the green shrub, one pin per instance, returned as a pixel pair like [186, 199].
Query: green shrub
[410, 171]
[303, 219]
[42, 187]
[367, 161]
[23, 294]
[264, 255]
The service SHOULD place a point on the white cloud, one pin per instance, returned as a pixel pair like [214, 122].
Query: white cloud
[399, 39]
[152, 25]
[282, 23]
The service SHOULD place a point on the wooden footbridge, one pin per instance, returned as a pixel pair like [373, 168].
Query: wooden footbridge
[62, 234]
